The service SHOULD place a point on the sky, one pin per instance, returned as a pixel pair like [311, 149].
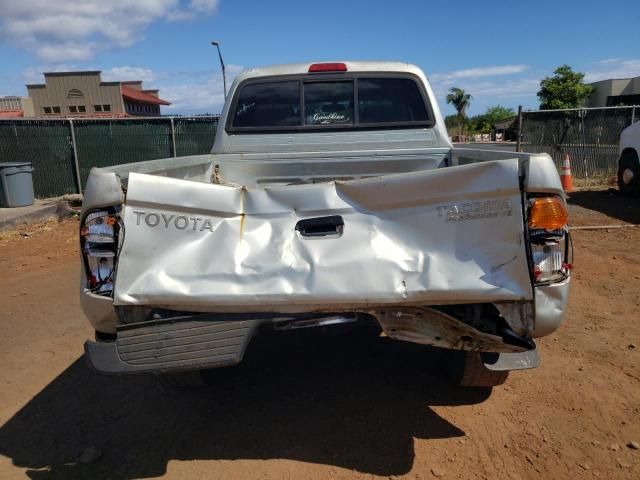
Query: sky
[498, 52]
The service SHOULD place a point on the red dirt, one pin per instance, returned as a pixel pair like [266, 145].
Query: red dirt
[324, 408]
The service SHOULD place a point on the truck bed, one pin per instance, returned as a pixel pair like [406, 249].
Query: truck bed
[407, 237]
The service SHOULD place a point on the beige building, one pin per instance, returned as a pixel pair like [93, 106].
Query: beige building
[16, 107]
[85, 94]
[615, 91]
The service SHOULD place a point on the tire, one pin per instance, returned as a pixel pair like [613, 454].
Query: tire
[184, 380]
[469, 371]
[629, 173]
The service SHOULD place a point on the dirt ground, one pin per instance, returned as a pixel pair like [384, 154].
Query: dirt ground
[325, 408]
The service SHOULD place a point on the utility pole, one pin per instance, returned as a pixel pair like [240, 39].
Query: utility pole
[224, 75]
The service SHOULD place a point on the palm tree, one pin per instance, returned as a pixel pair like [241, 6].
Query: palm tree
[460, 101]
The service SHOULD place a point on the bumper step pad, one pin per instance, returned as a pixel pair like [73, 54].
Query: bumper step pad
[171, 345]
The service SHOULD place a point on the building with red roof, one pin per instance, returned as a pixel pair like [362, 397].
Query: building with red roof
[84, 94]
[13, 107]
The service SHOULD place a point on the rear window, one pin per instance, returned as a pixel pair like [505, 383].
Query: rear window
[390, 100]
[269, 104]
[328, 103]
[348, 102]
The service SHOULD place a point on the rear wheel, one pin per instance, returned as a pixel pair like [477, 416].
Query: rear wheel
[468, 370]
[629, 173]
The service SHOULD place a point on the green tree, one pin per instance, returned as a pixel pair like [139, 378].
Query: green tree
[451, 121]
[498, 113]
[486, 122]
[460, 101]
[565, 89]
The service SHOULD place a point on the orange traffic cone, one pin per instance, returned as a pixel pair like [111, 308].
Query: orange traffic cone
[565, 174]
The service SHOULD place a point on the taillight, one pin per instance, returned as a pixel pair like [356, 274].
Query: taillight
[549, 239]
[99, 235]
[549, 213]
[327, 67]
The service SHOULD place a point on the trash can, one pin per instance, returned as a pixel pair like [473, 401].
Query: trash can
[16, 184]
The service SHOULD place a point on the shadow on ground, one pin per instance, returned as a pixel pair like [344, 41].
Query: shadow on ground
[356, 404]
[611, 203]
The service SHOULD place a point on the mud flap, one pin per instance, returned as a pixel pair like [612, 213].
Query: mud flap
[511, 361]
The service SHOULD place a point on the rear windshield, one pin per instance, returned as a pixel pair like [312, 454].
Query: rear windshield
[346, 103]
[271, 104]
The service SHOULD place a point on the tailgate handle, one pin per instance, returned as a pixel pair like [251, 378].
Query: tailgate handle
[321, 226]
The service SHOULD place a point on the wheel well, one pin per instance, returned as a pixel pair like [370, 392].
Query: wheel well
[629, 150]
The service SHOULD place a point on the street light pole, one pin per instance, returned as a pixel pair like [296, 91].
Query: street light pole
[224, 75]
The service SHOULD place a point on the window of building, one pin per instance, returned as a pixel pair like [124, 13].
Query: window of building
[621, 100]
[56, 109]
[97, 108]
[47, 110]
[73, 109]
[82, 109]
[106, 108]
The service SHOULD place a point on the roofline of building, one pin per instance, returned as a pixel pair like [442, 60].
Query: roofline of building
[43, 85]
[79, 72]
[613, 79]
[139, 96]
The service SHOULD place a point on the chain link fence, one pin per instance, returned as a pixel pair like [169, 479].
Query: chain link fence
[589, 136]
[63, 151]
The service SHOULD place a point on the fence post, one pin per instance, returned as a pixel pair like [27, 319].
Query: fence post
[583, 138]
[76, 163]
[633, 115]
[173, 139]
[519, 139]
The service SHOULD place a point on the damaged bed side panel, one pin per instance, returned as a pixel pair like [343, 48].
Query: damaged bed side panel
[431, 237]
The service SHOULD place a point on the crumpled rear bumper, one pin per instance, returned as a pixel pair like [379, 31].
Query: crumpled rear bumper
[205, 341]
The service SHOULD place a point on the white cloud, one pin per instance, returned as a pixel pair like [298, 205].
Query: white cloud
[69, 51]
[478, 72]
[128, 73]
[487, 85]
[194, 9]
[505, 89]
[34, 74]
[205, 94]
[613, 68]
[610, 60]
[62, 31]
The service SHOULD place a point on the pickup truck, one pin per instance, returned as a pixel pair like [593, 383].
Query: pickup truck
[332, 195]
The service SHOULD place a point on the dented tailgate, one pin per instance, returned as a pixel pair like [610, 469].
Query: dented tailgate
[450, 235]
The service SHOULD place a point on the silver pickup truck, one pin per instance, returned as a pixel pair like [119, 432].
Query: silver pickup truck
[332, 195]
